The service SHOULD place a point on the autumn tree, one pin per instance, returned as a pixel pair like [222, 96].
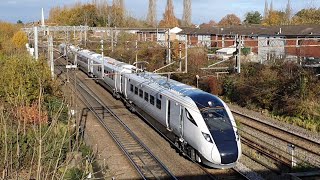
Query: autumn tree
[169, 19]
[275, 18]
[253, 18]
[307, 16]
[79, 14]
[211, 23]
[117, 16]
[230, 20]
[19, 39]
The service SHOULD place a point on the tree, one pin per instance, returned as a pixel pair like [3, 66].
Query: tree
[275, 18]
[19, 39]
[152, 14]
[307, 16]
[288, 13]
[253, 18]
[19, 22]
[186, 18]
[211, 23]
[169, 19]
[118, 13]
[230, 20]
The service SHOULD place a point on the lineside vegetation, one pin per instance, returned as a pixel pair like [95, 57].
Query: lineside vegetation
[37, 141]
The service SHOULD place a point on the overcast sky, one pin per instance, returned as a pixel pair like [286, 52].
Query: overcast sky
[202, 10]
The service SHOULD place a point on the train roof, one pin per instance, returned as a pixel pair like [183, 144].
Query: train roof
[201, 98]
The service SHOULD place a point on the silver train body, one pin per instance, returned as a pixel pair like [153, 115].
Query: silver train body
[200, 124]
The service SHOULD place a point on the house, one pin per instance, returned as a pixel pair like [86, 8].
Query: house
[267, 42]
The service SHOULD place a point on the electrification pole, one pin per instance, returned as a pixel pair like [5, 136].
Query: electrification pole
[36, 55]
[102, 61]
[238, 55]
[51, 56]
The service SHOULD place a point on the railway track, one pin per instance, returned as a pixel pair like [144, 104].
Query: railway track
[303, 144]
[139, 155]
[146, 164]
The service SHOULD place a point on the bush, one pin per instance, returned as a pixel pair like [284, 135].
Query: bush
[285, 89]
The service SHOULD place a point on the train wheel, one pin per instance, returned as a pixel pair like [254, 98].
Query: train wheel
[131, 108]
[194, 155]
[116, 95]
[177, 145]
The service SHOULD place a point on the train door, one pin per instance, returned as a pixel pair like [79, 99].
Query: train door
[90, 66]
[121, 82]
[181, 121]
[115, 78]
[124, 88]
[176, 118]
[168, 117]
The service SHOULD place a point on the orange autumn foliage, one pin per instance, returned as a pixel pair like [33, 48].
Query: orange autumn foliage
[31, 114]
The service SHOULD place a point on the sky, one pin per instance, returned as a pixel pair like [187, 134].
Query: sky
[202, 10]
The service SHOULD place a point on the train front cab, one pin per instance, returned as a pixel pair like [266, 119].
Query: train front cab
[222, 136]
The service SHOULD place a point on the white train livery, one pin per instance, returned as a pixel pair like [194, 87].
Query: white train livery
[200, 124]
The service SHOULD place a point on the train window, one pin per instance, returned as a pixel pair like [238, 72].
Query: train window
[131, 87]
[190, 118]
[158, 104]
[112, 75]
[136, 90]
[160, 96]
[141, 93]
[152, 100]
[146, 96]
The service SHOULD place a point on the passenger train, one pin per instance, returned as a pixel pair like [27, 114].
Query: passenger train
[198, 123]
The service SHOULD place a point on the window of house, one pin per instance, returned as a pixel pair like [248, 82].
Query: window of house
[135, 90]
[146, 96]
[152, 100]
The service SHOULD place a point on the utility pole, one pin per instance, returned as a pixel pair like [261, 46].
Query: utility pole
[50, 50]
[238, 55]
[111, 40]
[102, 61]
[186, 56]
[85, 36]
[180, 57]
[36, 56]
[169, 48]
[136, 55]
[291, 148]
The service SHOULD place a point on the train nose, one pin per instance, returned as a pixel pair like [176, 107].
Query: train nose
[228, 151]
[225, 152]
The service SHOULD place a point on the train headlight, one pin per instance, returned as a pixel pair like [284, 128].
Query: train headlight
[207, 137]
